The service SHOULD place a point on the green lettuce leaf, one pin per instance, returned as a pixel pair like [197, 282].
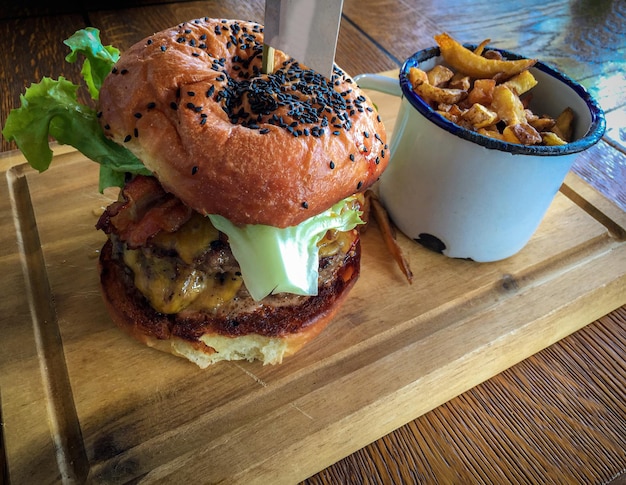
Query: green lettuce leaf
[276, 260]
[51, 108]
[99, 59]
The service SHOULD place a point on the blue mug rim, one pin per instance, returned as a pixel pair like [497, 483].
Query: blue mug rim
[594, 133]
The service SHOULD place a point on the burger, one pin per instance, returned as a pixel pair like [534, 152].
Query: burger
[236, 231]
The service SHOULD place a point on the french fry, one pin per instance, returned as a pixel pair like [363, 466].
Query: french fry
[521, 83]
[449, 116]
[439, 95]
[489, 95]
[508, 105]
[564, 124]
[541, 124]
[482, 92]
[439, 75]
[481, 47]
[479, 116]
[491, 131]
[525, 133]
[417, 76]
[509, 135]
[466, 61]
[491, 54]
[460, 82]
[549, 138]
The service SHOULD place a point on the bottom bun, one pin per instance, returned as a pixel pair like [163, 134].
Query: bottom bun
[266, 331]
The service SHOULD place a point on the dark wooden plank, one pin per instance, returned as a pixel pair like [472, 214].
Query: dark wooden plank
[126, 26]
[399, 28]
[356, 53]
[39, 8]
[31, 49]
[557, 417]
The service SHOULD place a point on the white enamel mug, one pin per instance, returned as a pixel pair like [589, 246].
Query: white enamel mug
[467, 195]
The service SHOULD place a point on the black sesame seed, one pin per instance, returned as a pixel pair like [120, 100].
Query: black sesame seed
[359, 185]
[136, 132]
[163, 48]
[127, 138]
[351, 157]
[137, 115]
[149, 42]
[107, 127]
[173, 105]
[151, 105]
[194, 170]
[114, 70]
[191, 106]
[331, 165]
[99, 114]
[366, 134]
[124, 71]
[305, 205]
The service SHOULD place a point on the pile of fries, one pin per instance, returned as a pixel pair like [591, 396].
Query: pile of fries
[490, 95]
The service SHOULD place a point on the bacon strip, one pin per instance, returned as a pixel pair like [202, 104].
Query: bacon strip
[144, 209]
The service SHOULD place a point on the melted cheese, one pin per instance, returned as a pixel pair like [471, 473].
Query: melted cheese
[191, 240]
[220, 289]
[172, 285]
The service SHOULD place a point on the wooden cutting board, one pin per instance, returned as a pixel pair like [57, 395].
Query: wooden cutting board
[81, 401]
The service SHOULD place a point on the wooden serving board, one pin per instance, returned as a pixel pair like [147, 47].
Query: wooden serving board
[82, 402]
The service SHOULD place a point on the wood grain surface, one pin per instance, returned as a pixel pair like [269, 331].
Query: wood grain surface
[457, 325]
[556, 417]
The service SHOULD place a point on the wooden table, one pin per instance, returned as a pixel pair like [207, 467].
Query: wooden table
[559, 416]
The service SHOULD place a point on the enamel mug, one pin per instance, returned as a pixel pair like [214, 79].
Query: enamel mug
[467, 195]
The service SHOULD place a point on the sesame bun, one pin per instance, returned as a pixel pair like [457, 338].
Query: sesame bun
[192, 104]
